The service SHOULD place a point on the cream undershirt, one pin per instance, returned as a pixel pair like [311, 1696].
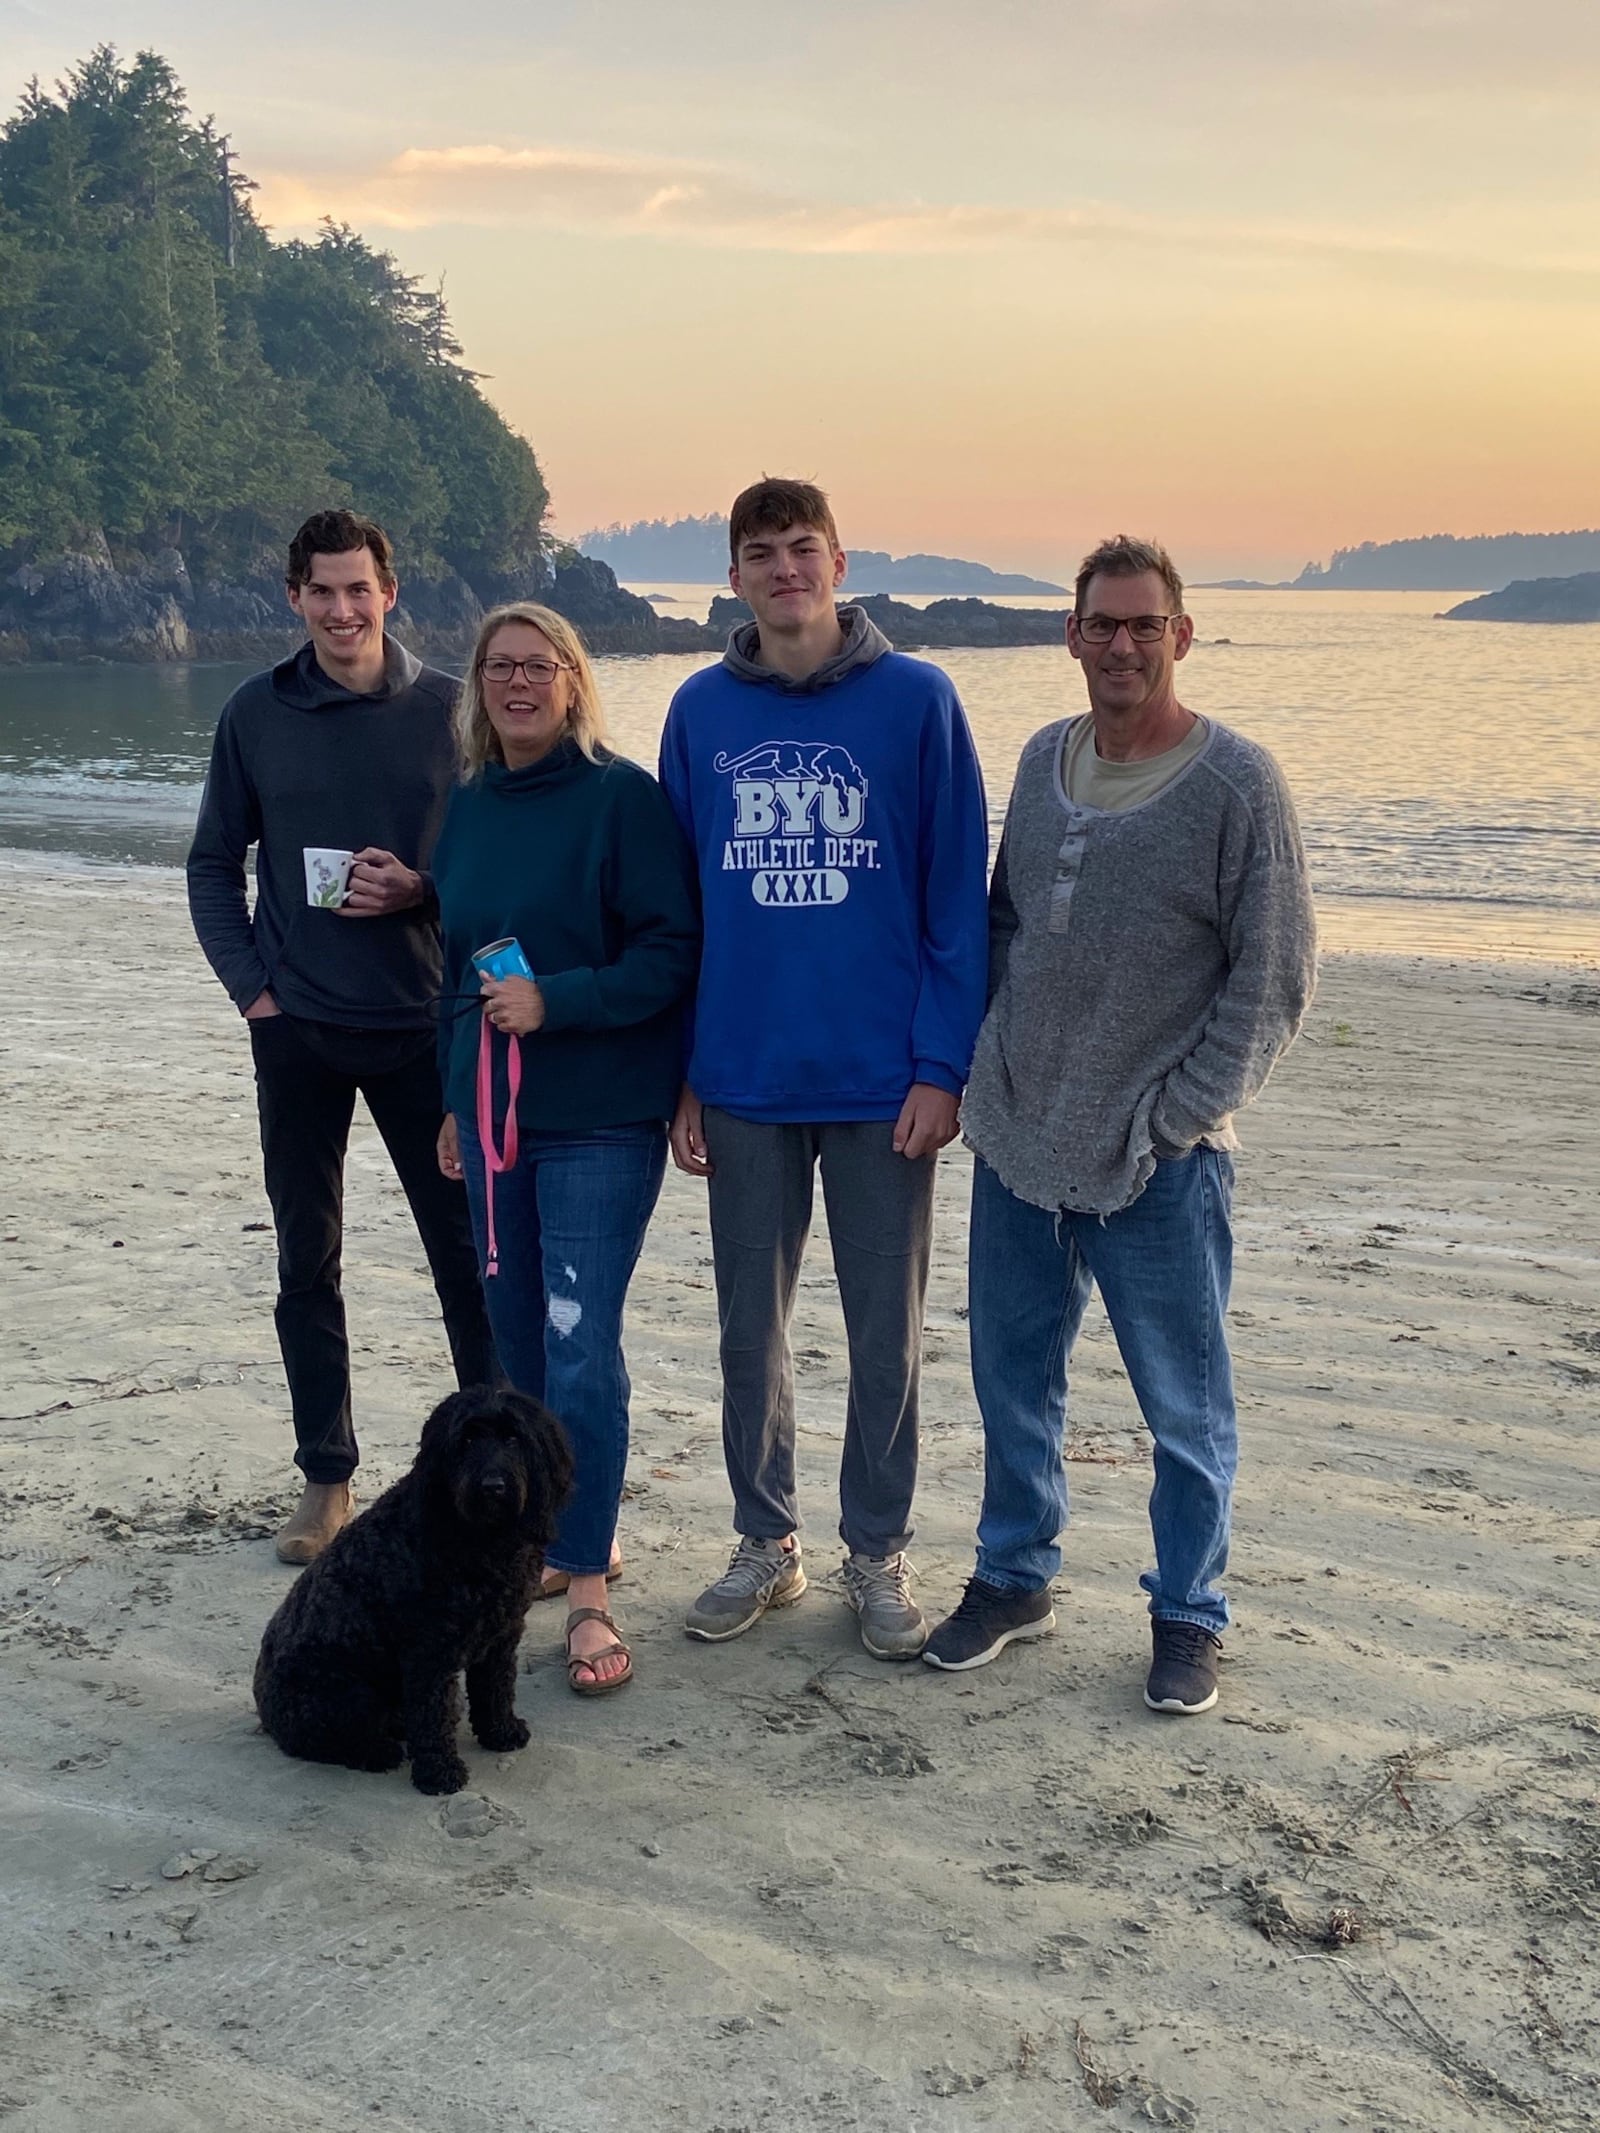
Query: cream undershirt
[1093, 782]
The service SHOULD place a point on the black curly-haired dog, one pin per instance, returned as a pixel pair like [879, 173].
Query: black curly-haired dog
[359, 1664]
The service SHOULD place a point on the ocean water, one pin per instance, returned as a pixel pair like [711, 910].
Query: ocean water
[1447, 774]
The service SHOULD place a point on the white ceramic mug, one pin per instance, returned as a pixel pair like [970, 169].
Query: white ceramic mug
[327, 876]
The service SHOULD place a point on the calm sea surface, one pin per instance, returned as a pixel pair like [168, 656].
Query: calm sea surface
[1447, 774]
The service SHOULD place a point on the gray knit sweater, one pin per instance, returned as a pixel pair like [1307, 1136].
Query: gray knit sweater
[1146, 969]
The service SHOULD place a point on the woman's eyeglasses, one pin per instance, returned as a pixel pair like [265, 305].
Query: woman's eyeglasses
[540, 672]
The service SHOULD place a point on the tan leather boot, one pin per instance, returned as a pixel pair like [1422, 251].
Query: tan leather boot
[322, 1510]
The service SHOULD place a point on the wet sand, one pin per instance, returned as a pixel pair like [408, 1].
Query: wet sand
[777, 1884]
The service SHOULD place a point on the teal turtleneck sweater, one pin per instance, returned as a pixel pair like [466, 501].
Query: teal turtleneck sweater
[585, 865]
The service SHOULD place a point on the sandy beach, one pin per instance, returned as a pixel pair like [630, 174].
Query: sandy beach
[780, 1885]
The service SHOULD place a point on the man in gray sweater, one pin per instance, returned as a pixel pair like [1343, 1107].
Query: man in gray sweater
[1152, 953]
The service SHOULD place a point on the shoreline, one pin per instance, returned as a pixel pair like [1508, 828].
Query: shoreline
[1431, 929]
[778, 1883]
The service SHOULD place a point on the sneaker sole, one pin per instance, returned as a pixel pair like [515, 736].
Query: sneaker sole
[1021, 1635]
[1180, 1709]
[786, 1598]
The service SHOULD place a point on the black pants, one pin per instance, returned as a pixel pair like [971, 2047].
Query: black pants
[308, 1075]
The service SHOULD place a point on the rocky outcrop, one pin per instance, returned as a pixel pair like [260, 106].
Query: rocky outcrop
[612, 620]
[83, 606]
[1575, 599]
[943, 625]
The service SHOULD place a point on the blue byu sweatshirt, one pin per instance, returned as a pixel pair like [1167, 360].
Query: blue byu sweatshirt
[840, 832]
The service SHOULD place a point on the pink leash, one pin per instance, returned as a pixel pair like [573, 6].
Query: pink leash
[496, 1160]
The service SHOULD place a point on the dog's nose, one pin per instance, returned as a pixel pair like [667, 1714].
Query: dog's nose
[495, 1485]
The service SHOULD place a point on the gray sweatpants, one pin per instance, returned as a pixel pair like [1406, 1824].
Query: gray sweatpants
[880, 1220]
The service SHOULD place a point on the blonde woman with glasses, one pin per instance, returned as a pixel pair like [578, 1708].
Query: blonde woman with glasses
[571, 939]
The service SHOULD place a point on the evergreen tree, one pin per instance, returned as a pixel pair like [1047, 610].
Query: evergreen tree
[169, 375]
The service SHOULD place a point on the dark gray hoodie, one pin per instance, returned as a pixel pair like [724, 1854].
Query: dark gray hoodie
[300, 760]
[863, 643]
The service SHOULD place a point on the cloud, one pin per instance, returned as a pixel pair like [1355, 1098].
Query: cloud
[703, 204]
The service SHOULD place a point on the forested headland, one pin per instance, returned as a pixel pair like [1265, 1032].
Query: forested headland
[178, 391]
[175, 379]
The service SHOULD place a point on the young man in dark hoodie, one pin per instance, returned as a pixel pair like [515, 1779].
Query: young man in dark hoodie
[831, 793]
[345, 747]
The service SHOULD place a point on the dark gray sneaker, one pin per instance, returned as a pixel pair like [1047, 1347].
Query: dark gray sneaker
[988, 1619]
[878, 1588]
[760, 1574]
[1183, 1674]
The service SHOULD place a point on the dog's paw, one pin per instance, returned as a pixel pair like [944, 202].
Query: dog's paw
[438, 1773]
[504, 1734]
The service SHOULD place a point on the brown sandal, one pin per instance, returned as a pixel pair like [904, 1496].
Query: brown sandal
[555, 1582]
[589, 1660]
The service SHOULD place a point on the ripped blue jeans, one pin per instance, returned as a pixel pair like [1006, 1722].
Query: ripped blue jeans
[570, 1221]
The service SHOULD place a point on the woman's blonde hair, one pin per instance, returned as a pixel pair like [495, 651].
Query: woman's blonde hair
[476, 740]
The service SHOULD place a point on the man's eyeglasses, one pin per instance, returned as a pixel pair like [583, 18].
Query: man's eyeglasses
[540, 672]
[1143, 629]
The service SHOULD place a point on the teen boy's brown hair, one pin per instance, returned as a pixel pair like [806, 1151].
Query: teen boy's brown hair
[774, 504]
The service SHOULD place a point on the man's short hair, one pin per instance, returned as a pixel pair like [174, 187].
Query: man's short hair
[773, 505]
[1124, 557]
[338, 533]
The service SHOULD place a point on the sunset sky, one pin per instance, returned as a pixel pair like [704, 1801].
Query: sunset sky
[1263, 277]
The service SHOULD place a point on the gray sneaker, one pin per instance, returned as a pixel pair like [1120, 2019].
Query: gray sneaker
[760, 1574]
[878, 1588]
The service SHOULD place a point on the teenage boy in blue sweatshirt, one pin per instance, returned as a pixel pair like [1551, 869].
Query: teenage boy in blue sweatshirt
[831, 792]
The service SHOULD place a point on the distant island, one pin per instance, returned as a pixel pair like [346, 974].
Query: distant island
[1574, 599]
[694, 551]
[1436, 562]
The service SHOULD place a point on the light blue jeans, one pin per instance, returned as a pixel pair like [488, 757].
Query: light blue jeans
[570, 1222]
[1163, 1266]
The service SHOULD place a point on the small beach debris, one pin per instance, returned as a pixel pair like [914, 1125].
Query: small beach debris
[943, 2080]
[181, 1863]
[236, 1868]
[1279, 1919]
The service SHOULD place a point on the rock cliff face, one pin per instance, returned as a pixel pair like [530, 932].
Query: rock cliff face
[612, 620]
[83, 606]
[1575, 599]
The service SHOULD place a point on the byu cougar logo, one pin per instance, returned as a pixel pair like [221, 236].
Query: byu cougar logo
[798, 810]
[785, 785]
